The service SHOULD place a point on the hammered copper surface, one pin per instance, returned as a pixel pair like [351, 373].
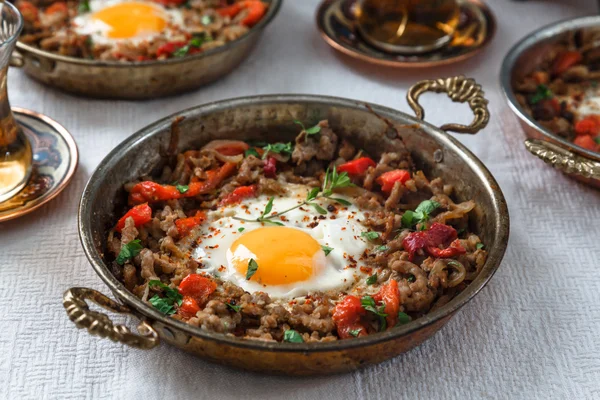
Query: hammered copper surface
[371, 127]
[139, 80]
[521, 60]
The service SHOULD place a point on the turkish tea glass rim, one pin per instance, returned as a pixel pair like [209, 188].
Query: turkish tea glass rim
[20, 22]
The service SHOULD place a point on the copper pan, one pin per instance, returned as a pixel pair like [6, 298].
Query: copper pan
[139, 80]
[521, 60]
[271, 118]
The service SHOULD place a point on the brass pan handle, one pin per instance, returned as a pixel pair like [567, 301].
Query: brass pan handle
[459, 89]
[99, 324]
[563, 159]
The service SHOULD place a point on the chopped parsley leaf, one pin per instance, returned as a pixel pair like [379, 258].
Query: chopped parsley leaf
[84, 6]
[372, 279]
[234, 307]
[355, 332]
[327, 249]
[403, 318]
[241, 229]
[370, 235]
[542, 92]
[279, 148]
[129, 250]
[382, 248]
[182, 188]
[252, 267]
[420, 215]
[251, 152]
[166, 304]
[411, 278]
[292, 336]
[310, 131]
[368, 303]
[479, 246]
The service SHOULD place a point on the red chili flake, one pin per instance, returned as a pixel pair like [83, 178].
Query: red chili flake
[366, 270]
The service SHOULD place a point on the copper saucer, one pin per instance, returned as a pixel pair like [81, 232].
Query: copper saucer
[55, 159]
[337, 23]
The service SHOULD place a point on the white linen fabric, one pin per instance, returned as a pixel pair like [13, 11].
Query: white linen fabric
[531, 333]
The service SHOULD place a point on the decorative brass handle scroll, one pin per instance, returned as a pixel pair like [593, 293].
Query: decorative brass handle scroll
[563, 159]
[459, 89]
[99, 324]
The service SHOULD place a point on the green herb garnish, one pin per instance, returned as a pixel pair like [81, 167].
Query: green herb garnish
[195, 42]
[292, 336]
[327, 249]
[479, 246]
[251, 152]
[381, 248]
[332, 181]
[542, 92]
[310, 131]
[420, 215]
[241, 229]
[278, 148]
[182, 188]
[84, 6]
[368, 303]
[234, 307]
[372, 279]
[252, 267]
[411, 278]
[165, 305]
[371, 235]
[355, 332]
[597, 139]
[129, 250]
[403, 318]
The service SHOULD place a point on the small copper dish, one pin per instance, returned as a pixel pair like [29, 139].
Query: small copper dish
[336, 21]
[55, 159]
[139, 80]
[271, 118]
[521, 60]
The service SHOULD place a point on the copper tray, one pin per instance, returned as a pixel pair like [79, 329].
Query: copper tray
[366, 125]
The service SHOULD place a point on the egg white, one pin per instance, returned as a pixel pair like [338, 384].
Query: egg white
[85, 24]
[341, 231]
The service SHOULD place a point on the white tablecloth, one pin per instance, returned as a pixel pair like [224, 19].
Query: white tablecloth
[533, 332]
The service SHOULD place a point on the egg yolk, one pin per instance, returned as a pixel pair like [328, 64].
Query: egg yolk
[284, 255]
[131, 19]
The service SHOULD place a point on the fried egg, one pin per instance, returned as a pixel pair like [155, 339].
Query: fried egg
[111, 21]
[291, 259]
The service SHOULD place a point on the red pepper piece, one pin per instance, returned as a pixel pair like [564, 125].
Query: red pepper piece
[388, 179]
[453, 250]
[29, 11]
[149, 191]
[58, 7]
[566, 60]
[587, 142]
[239, 194]
[388, 294]
[357, 167]
[141, 215]
[256, 10]
[185, 225]
[189, 307]
[437, 235]
[229, 11]
[588, 126]
[169, 48]
[198, 287]
[270, 167]
[346, 316]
